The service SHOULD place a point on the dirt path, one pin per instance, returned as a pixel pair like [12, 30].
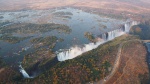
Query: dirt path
[116, 64]
[126, 65]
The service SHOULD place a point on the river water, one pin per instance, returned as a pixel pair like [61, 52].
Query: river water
[78, 20]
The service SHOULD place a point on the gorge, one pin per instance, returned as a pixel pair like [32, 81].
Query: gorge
[76, 51]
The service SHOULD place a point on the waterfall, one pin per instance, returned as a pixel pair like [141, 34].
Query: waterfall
[24, 73]
[114, 33]
[76, 51]
[129, 24]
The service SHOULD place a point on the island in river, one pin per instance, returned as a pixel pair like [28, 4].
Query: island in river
[35, 37]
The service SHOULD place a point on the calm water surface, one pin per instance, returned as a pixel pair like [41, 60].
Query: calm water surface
[78, 20]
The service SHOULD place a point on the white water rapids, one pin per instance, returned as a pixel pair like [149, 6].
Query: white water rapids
[76, 51]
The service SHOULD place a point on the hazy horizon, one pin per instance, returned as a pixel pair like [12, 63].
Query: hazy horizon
[46, 4]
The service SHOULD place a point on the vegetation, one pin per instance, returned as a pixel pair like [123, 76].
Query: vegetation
[142, 30]
[34, 60]
[1, 62]
[144, 78]
[44, 41]
[12, 39]
[6, 32]
[133, 67]
[89, 36]
[106, 13]
[62, 13]
[90, 66]
[42, 54]
[9, 75]
[28, 28]
[104, 26]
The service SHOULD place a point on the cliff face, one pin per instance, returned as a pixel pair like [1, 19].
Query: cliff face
[133, 68]
[142, 30]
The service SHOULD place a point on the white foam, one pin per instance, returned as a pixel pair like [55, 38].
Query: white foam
[76, 51]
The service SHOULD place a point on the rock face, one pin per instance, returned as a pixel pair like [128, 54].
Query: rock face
[76, 51]
[34, 62]
[133, 68]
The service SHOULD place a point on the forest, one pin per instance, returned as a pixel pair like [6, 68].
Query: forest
[142, 30]
[88, 67]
